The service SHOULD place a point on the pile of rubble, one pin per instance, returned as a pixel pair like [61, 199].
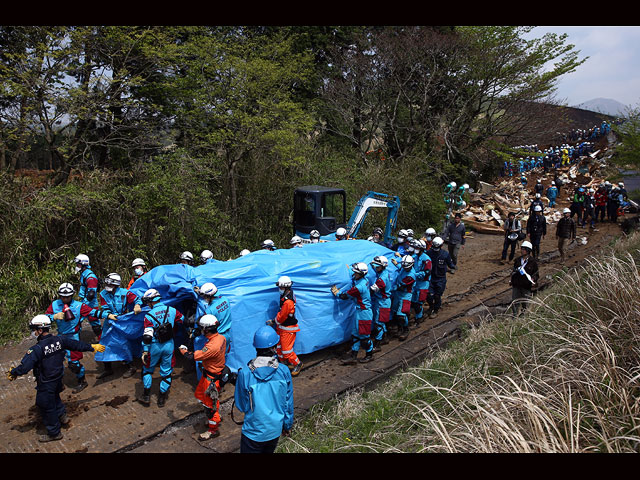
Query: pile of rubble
[489, 206]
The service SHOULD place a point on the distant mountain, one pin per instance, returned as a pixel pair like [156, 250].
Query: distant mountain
[604, 105]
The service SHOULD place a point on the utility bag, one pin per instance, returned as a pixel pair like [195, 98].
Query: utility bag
[164, 331]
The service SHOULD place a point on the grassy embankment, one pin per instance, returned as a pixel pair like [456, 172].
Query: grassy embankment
[563, 377]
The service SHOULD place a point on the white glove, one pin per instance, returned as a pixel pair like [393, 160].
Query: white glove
[374, 288]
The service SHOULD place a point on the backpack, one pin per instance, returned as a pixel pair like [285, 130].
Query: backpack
[164, 332]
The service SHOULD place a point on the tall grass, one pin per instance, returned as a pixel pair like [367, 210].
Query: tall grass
[563, 377]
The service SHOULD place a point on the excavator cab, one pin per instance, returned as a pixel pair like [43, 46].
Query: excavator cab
[319, 208]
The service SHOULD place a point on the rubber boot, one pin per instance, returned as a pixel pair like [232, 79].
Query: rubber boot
[384, 340]
[351, 359]
[145, 399]
[82, 384]
[376, 346]
[162, 398]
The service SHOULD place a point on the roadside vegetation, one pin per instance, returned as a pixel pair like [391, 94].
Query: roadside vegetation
[563, 377]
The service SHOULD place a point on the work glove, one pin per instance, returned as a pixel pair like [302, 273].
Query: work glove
[271, 322]
[58, 316]
[145, 357]
[183, 349]
[196, 289]
[374, 288]
[97, 347]
[137, 309]
[112, 317]
[334, 290]
[394, 261]
[397, 254]
[11, 376]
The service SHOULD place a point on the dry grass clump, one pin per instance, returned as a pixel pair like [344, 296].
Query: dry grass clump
[566, 380]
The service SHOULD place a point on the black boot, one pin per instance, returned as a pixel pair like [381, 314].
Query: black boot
[376, 346]
[367, 358]
[145, 399]
[82, 384]
[351, 359]
[404, 333]
[162, 398]
[384, 340]
[108, 371]
[131, 370]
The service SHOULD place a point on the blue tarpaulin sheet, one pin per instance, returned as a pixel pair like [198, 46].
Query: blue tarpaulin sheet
[249, 283]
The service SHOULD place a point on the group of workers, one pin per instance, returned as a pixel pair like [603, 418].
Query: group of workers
[557, 156]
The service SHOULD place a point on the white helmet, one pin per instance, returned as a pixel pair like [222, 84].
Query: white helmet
[341, 232]
[65, 290]
[208, 289]
[206, 255]
[82, 259]
[40, 321]
[186, 255]
[421, 244]
[295, 240]
[537, 208]
[360, 267]
[380, 260]
[138, 262]
[314, 234]
[209, 321]
[430, 232]
[409, 232]
[284, 282]
[407, 261]
[268, 244]
[566, 210]
[244, 252]
[526, 244]
[113, 279]
[403, 233]
[553, 183]
[151, 295]
[437, 242]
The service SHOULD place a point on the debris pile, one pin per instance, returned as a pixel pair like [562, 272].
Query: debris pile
[490, 205]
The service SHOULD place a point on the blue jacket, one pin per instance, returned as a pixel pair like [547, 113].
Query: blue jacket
[361, 294]
[264, 392]
[382, 297]
[221, 308]
[156, 316]
[85, 294]
[46, 358]
[440, 260]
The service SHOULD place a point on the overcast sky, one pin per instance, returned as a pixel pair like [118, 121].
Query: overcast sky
[612, 69]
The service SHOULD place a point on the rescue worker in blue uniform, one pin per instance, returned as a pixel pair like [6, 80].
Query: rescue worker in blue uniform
[552, 194]
[363, 318]
[264, 392]
[160, 323]
[115, 300]
[68, 315]
[46, 359]
[402, 292]
[211, 303]
[88, 291]
[422, 268]
[440, 263]
[380, 301]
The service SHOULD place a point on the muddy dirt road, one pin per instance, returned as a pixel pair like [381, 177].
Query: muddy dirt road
[106, 417]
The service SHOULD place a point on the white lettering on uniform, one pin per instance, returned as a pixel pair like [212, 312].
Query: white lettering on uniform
[54, 347]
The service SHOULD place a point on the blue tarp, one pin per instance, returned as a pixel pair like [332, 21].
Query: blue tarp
[248, 283]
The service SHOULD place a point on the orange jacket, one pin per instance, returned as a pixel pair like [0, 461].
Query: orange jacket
[286, 318]
[212, 354]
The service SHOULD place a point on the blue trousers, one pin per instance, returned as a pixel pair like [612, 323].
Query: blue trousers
[50, 406]
[160, 355]
[436, 289]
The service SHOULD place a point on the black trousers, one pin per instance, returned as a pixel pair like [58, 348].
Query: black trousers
[505, 247]
[251, 446]
[50, 405]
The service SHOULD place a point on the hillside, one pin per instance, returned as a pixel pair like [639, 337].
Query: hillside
[604, 105]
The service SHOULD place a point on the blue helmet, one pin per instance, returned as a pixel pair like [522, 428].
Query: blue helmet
[265, 337]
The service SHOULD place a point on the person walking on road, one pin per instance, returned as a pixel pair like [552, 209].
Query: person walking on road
[523, 278]
[46, 359]
[512, 230]
[440, 261]
[565, 233]
[264, 392]
[536, 229]
[455, 240]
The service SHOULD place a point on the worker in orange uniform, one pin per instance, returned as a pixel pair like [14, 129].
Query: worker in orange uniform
[212, 357]
[286, 325]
